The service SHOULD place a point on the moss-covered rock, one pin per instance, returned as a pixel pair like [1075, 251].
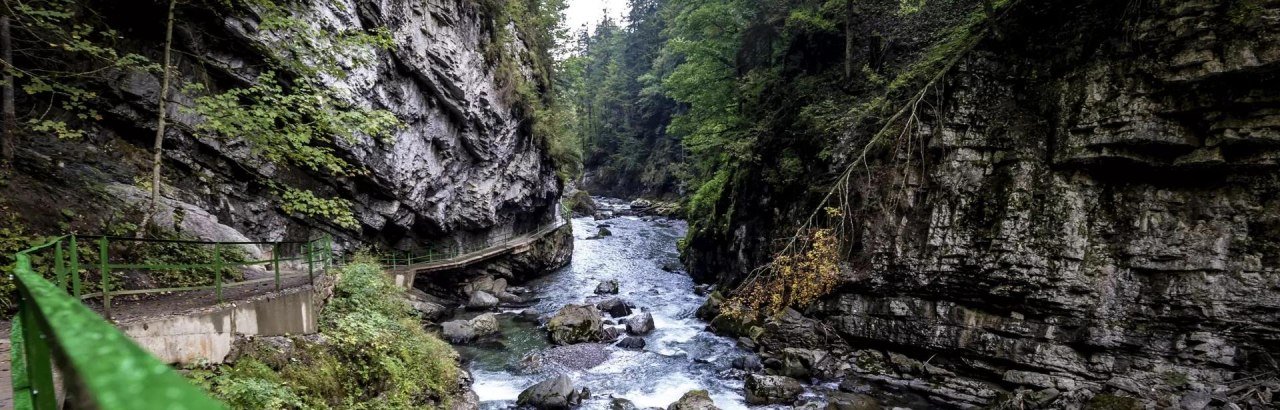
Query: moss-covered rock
[576, 324]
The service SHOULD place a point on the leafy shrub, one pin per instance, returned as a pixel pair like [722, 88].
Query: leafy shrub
[375, 355]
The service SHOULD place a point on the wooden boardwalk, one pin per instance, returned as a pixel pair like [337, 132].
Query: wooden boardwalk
[512, 246]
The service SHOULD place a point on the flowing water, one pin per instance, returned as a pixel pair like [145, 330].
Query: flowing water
[680, 356]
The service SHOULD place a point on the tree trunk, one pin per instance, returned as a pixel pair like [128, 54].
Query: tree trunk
[163, 109]
[849, 40]
[9, 138]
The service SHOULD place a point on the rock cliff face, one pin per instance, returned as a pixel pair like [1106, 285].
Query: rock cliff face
[463, 167]
[1097, 215]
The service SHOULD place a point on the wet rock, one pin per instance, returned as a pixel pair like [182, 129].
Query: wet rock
[576, 324]
[485, 325]
[729, 325]
[641, 324]
[851, 401]
[694, 400]
[428, 310]
[528, 315]
[609, 287]
[603, 232]
[792, 329]
[703, 290]
[615, 307]
[711, 307]
[805, 363]
[485, 283]
[749, 363]
[554, 393]
[632, 342]
[458, 331]
[509, 298]
[481, 300]
[672, 266]
[618, 403]
[762, 389]
[610, 334]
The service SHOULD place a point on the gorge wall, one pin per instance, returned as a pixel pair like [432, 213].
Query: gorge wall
[464, 166]
[1090, 212]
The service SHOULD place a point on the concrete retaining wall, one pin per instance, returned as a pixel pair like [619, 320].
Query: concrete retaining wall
[209, 334]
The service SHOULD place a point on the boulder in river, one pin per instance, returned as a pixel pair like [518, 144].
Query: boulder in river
[576, 324]
[851, 401]
[482, 300]
[609, 334]
[641, 324]
[458, 331]
[762, 389]
[632, 342]
[529, 315]
[615, 307]
[749, 363]
[485, 325]
[608, 287]
[554, 393]
[619, 403]
[694, 400]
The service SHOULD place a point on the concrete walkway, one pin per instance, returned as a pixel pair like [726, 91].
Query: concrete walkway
[182, 327]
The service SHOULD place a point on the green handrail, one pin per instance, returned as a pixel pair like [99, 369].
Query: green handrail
[396, 259]
[100, 366]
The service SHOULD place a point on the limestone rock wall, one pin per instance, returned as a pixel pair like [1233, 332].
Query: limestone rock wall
[1096, 215]
[464, 167]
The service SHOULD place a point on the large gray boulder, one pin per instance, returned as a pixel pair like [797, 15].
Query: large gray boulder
[485, 325]
[694, 400]
[554, 393]
[458, 331]
[762, 389]
[482, 300]
[851, 401]
[576, 324]
[632, 342]
[641, 324]
[615, 307]
[609, 287]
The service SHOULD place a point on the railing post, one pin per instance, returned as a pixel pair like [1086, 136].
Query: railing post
[105, 269]
[275, 262]
[217, 269]
[75, 268]
[59, 267]
[35, 358]
[311, 266]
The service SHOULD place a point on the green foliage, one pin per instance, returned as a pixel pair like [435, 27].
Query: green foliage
[14, 237]
[537, 24]
[294, 126]
[177, 253]
[289, 126]
[375, 355]
[75, 51]
[306, 203]
[248, 384]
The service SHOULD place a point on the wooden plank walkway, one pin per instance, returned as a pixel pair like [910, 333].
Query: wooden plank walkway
[515, 245]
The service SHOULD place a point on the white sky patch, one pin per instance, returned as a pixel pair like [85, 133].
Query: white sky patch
[590, 12]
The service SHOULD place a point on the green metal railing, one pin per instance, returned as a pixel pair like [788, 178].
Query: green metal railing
[98, 365]
[107, 255]
[400, 258]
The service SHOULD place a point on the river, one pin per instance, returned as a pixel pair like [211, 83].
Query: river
[680, 354]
